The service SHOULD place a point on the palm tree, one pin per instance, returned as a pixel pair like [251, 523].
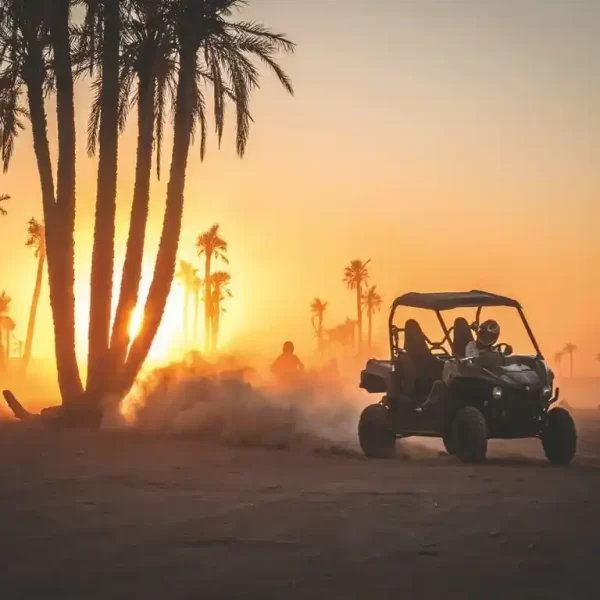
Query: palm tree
[186, 275]
[355, 275]
[372, 302]
[5, 301]
[8, 326]
[36, 239]
[3, 198]
[558, 356]
[569, 350]
[196, 287]
[219, 285]
[318, 309]
[211, 245]
[35, 47]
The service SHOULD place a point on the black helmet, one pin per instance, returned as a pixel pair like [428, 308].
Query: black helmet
[288, 348]
[488, 333]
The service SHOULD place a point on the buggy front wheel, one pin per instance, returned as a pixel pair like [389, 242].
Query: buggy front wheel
[559, 438]
[375, 434]
[469, 435]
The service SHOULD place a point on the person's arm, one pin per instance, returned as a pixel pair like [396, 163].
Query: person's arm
[299, 364]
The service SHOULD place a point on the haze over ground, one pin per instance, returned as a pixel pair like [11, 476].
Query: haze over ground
[454, 144]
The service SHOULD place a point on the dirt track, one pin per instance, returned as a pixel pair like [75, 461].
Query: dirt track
[120, 516]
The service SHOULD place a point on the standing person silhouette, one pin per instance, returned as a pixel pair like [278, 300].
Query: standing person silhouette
[287, 365]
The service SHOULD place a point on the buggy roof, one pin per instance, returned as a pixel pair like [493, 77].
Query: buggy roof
[451, 300]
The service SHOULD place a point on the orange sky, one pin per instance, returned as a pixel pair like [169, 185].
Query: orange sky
[455, 144]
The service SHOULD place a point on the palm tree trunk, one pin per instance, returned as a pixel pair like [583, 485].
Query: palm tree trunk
[164, 268]
[207, 302]
[8, 347]
[103, 254]
[186, 308]
[34, 305]
[196, 311]
[571, 364]
[320, 332]
[370, 325]
[132, 267]
[2, 353]
[359, 315]
[216, 308]
[59, 238]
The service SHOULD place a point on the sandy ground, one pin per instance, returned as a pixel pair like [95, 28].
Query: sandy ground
[112, 515]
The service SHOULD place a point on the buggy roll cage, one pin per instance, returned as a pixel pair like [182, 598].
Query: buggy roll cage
[442, 301]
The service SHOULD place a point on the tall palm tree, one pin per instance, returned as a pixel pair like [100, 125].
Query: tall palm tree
[558, 356]
[36, 239]
[5, 301]
[212, 49]
[219, 285]
[372, 302]
[211, 245]
[186, 276]
[569, 350]
[35, 49]
[318, 309]
[196, 288]
[3, 198]
[355, 275]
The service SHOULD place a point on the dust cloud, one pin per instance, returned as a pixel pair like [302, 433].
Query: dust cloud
[237, 405]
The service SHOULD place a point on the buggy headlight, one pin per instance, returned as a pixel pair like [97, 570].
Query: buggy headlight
[547, 393]
[497, 393]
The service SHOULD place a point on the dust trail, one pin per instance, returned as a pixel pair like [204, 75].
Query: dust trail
[235, 407]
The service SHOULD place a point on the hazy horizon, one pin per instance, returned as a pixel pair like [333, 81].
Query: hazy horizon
[454, 144]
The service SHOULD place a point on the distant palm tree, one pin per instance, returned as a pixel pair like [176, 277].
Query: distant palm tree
[196, 287]
[372, 302]
[219, 285]
[186, 276]
[355, 275]
[569, 350]
[558, 356]
[5, 301]
[8, 326]
[318, 309]
[3, 198]
[36, 239]
[211, 245]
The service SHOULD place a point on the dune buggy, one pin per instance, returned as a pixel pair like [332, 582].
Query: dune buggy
[433, 389]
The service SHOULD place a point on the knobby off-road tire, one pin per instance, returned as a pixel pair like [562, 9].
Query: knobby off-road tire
[560, 437]
[375, 434]
[447, 438]
[469, 435]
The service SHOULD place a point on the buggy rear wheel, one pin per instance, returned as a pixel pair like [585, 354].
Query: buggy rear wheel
[375, 434]
[469, 435]
[560, 437]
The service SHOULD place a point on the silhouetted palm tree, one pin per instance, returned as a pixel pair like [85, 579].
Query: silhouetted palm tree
[569, 350]
[372, 302]
[558, 356]
[187, 275]
[219, 285]
[196, 287]
[318, 309]
[36, 239]
[3, 198]
[355, 275]
[211, 245]
[5, 301]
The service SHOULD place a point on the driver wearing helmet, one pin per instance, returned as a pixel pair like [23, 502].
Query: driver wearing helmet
[487, 337]
[287, 364]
